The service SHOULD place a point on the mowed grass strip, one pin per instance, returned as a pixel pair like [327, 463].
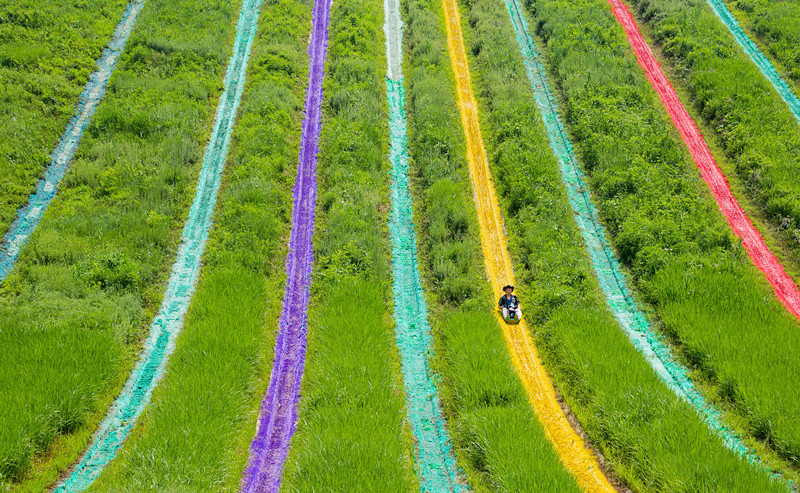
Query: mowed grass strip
[198, 428]
[757, 132]
[708, 298]
[47, 52]
[651, 438]
[496, 434]
[73, 313]
[351, 433]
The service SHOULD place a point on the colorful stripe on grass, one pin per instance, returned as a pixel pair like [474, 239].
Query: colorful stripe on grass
[604, 260]
[574, 454]
[278, 415]
[763, 64]
[168, 323]
[757, 249]
[28, 216]
[436, 463]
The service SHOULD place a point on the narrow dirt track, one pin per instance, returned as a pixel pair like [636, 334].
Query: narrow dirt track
[29, 215]
[577, 458]
[435, 461]
[604, 261]
[278, 415]
[166, 326]
[757, 249]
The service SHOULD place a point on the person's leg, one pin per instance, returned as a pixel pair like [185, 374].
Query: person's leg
[505, 312]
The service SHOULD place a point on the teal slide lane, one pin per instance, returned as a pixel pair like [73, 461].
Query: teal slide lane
[763, 64]
[168, 322]
[436, 463]
[604, 261]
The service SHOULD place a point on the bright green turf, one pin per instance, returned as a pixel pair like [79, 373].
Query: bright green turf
[351, 433]
[47, 51]
[497, 437]
[94, 271]
[197, 432]
[708, 297]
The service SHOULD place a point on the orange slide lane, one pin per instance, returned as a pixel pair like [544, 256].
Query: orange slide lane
[577, 458]
[762, 256]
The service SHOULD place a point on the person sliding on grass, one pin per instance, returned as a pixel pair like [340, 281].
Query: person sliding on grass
[509, 304]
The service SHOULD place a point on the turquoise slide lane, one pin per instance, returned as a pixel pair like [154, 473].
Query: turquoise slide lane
[28, 216]
[138, 389]
[435, 461]
[604, 261]
[763, 64]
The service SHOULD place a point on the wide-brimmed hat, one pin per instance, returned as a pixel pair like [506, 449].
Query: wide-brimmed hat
[508, 286]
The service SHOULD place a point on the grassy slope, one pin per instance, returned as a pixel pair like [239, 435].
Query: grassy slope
[653, 440]
[197, 432]
[710, 299]
[93, 273]
[496, 435]
[775, 25]
[47, 51]
[351, 433]
[757, 132]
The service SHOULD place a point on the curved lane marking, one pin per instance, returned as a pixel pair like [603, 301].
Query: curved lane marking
[29, 215]
[278, 415]
[436, 463]
[166, 326]
[576, 457]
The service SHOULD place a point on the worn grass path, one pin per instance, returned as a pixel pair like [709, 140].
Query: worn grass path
[166, 326]
[29, 215]
[570, 447]
[435, 460]
[278, 416]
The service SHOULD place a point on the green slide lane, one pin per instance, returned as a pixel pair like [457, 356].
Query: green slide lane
[436, 462]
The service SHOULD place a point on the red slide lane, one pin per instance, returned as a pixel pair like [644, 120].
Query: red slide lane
[785, 288]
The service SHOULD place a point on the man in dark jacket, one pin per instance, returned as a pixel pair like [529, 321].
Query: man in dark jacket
[509, 304]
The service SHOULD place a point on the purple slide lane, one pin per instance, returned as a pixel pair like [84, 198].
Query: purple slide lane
[277, 420]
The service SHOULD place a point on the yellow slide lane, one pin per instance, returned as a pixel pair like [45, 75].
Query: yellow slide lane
[570, 447]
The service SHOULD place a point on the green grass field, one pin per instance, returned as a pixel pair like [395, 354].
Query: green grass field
[200, 424]
[709, 299]
[351, 432]
[496, 435]
[47, 51]
[754, 128]
[73, 311]
[775, 25]
[656, 443]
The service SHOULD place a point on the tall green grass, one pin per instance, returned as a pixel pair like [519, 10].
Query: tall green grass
[710, 300]
[351, 433]
[757, 131]
[775, 25]
[196, 434]
[47, 51]
[496, 435]
[94, 271]
[650, 438]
